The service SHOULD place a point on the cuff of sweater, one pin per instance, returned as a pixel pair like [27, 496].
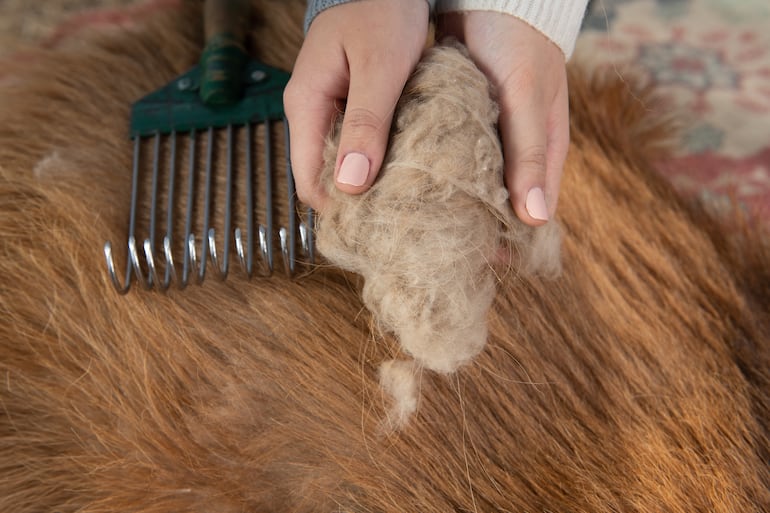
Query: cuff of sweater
[559, 20]
[314, 8]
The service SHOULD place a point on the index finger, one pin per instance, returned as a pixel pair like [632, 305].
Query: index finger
[310, 105]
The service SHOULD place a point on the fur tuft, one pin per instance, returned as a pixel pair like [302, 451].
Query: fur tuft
[426, 235]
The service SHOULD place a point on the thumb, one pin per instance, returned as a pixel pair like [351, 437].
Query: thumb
[372, 98]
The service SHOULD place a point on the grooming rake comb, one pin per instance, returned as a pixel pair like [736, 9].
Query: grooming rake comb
[184, 121]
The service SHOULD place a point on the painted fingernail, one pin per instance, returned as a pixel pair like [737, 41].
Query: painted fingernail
[535, 204]
[354, 169]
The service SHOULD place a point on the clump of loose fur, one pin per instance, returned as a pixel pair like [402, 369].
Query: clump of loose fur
[426, 236]
[399, 378]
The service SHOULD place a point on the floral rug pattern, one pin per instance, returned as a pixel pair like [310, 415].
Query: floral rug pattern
[711, 60]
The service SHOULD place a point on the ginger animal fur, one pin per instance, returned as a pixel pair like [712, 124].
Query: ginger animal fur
[426, 235]
[636, 382]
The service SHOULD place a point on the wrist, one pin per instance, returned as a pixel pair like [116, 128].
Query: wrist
[558, 20]
[315, 7]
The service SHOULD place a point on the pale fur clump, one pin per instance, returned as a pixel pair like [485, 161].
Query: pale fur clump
[399, 378]
[427, 236]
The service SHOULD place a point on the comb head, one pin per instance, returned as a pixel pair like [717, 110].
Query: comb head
[177, 106]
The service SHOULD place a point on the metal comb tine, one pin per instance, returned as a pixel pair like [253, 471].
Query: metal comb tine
[241, 251]
[287, 264]
[192, 259]
[134, 255]
[167, 240]
[188, 263]
[207, 236]
[122, 288]
[263, 245]
[224, 266]
[152, 270]
[303, 242]
[249, 199]
[170, 269]
[246, 256]
[212, 243]
[289, 253]
[267, 238]
[306, 236]
[149, 243]
[309, 229]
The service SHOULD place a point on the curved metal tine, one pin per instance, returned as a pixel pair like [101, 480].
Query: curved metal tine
[289, 240]
[303, 240]
[288, 265]
[189, 261]
[306, 237]
[264, 249]
[310, 235]
[212, 243]
[192, 255]
[241, 250]
[207, 207]
[122, 288]
[266, 232]
[161, 284]
[149, 244]
[246, 255]
[169, 254]
[134, 255]
[150, 251]
[150, 259]
[224, 265]
[167, 240]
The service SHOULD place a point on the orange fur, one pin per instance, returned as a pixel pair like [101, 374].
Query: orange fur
[636, 382]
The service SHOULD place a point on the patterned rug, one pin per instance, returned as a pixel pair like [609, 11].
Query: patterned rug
[23, 22]
[711, 61]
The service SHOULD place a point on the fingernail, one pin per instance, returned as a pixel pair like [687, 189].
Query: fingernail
[535, 204]
[354, 169]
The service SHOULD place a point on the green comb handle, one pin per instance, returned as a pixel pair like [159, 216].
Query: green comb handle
[224, 59]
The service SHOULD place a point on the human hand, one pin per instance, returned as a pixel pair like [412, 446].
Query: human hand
[362, 52]
[528, 74]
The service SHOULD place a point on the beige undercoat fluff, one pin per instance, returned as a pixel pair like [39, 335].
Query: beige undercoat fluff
[429, 235]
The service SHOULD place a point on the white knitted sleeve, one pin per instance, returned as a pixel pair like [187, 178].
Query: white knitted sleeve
[559, 20]
[314, 7]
